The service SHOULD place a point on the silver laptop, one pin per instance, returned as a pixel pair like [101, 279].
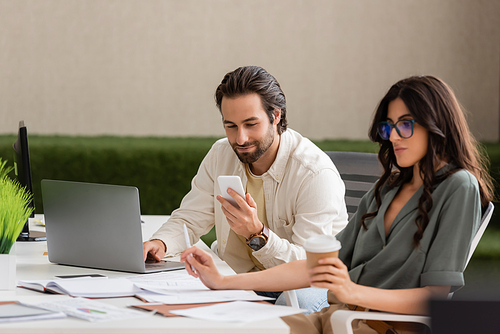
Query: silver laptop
[96, 226]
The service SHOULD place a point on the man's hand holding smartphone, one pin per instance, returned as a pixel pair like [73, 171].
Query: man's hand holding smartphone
[239, 209]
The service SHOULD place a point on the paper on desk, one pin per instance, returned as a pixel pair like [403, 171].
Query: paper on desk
[167, 282]
[92, 310]
[181, 288]
[200, 296]
[238, 312]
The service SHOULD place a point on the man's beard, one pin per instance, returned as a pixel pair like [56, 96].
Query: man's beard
[261, 147]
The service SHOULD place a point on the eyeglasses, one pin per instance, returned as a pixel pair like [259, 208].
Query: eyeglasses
[404, 128]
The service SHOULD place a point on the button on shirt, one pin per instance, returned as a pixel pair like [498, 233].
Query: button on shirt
[256, 190]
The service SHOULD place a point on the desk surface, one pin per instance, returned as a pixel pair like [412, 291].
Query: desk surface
[32, 264]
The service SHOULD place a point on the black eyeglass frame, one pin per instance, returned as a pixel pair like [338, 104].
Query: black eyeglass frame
[394, 126]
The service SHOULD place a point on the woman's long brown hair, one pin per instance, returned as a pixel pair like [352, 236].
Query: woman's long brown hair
[433, 105]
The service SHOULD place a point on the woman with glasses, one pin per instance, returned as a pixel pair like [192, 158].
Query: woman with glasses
[409, 239]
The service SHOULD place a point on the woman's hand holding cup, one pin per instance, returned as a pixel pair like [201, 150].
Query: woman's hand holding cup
[320, 247]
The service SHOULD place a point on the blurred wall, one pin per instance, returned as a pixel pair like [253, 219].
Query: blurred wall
[150, 68]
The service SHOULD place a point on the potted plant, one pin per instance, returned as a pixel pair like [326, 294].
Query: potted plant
[14, 212]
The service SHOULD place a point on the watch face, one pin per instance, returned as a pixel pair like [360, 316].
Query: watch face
[257, 242]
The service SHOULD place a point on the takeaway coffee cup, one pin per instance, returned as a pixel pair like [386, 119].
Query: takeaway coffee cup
[320, 247]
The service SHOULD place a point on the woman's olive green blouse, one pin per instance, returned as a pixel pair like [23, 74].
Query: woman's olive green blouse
[392, 261]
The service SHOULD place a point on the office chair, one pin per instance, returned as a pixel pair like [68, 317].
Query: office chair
[359, 171]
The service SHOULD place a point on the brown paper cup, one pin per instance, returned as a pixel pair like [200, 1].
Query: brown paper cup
[321, 247]
[312, 258]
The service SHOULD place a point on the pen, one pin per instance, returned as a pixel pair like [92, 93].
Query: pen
[188, 243]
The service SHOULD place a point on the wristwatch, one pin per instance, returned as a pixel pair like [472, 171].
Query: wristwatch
[258, 240]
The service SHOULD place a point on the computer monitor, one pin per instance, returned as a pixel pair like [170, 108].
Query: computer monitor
[23, 175]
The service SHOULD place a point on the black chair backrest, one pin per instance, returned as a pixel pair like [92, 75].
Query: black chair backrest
[359, 171]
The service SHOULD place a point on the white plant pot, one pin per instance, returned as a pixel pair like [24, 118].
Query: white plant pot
[8, 270]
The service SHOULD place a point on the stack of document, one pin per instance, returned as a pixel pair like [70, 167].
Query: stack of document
[198, 297]
[181, 288]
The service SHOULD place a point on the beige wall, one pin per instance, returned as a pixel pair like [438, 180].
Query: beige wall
[122, 67]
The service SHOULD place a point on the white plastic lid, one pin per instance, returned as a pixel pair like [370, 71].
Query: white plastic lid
[322, 244]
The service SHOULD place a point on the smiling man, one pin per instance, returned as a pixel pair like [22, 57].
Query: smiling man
[293, 190]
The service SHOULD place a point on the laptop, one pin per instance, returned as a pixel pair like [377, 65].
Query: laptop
[96, 226]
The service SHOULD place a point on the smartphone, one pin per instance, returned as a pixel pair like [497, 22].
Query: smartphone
[233, 182]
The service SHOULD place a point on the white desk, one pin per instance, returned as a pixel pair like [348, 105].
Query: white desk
[32, 264]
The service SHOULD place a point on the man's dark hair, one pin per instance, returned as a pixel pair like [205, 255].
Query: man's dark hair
[253, 79]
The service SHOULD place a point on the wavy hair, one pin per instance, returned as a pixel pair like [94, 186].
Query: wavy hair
[254, 79]
[433, 105]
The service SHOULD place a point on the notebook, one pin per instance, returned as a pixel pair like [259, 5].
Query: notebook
[96, 226]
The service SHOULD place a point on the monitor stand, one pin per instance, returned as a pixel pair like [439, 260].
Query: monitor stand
[27, 235]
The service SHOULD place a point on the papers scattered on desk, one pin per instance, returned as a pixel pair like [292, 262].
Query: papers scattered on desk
[181, 288]
[92, 310]
[205, 296]
[15, 311]
[165, 287]
[85, 287]
[238, 312]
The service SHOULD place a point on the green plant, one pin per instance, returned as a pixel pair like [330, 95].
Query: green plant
[14, 210]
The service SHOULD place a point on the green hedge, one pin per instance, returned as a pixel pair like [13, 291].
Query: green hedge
[162, 168]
